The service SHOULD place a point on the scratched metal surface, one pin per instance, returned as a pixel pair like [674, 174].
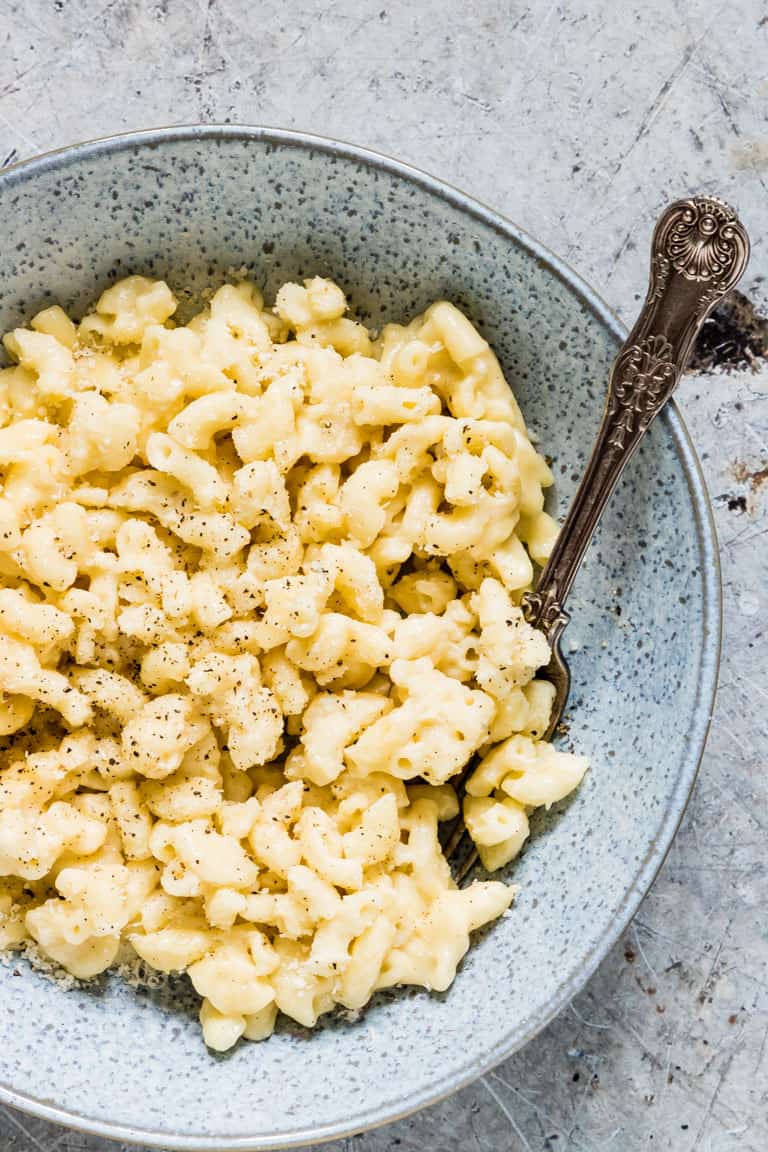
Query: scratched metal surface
[578, 120]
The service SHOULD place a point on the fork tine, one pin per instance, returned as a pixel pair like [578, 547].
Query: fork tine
[455, 837]
[455, 847]
[464, 857]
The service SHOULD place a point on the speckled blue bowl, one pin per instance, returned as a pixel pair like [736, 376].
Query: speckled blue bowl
[188, 204]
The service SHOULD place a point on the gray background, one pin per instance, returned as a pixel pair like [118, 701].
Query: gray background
[579, 121]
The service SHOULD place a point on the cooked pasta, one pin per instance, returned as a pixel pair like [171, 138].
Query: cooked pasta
[260, 579]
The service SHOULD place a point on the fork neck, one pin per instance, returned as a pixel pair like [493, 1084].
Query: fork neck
[699, 252]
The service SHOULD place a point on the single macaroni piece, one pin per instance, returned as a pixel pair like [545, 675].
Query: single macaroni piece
[260, 583]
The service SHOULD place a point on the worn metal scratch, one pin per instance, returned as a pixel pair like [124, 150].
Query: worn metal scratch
[19, 1124]
[552, 1125]
[510, 1118]
[662, 96]
[588, 1023]
[711, 979]
[761, 1053]
[712, 1101]
[642, 955]
[26, 139]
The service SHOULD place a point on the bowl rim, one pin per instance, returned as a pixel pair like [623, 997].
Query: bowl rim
[695, 739]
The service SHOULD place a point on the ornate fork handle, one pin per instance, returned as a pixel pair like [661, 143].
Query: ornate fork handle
[699, 251]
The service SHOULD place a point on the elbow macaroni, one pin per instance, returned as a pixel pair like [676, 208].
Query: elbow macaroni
[259, 602]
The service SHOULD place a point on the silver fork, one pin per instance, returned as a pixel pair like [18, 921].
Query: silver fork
[698, 254]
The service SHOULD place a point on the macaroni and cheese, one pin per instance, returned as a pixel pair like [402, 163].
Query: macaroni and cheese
[260, 578]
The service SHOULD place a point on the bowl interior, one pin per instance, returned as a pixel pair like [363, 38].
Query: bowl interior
[193, 206]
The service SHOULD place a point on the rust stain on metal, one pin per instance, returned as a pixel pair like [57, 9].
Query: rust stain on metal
[754, 477]
[734, 337]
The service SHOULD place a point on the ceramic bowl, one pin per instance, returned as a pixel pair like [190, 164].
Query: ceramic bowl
[191, 205]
